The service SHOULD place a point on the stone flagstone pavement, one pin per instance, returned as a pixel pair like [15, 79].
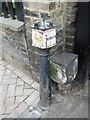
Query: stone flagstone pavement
[18, 93]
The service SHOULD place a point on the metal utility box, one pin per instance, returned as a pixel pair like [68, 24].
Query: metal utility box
[43, 35]
[64, 67]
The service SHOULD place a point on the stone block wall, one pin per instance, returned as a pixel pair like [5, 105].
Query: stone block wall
[35, 11]
[71, 12]
[14, 48]
[53, 11]
[19, 51]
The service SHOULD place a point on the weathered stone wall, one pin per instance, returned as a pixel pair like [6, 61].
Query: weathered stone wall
[71, 12]
[14, 48]
[53, 11]
[35, 11]
[19, 51]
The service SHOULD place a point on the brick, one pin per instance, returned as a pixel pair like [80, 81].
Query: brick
[3, 97]
[20, 99]
[16, 112]
[69, 47]
[26, 86]
[39, 6]
[13, 76]
[71, 18]
[18, 72]
[6, 77]
[27, 79]
[9, 101]
[58, 21]
[4, 87]
[44, 15]
[11, 90]
[35, 85]
[71, 32]
[70, 40]
[26, 113]
[34, 66]
[31, 13]
[19, 91]
[27, 92]
[7, 72]
[9, 108]
[20, 82]
[34, 57]
[35, 104]
[2, 71]
[32, 48]
[30, 113]
[56, 13]
[71, 10]
[9, 81]
[32, 97]
[71, 3]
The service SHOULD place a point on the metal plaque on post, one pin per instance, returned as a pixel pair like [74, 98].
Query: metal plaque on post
[43, 37]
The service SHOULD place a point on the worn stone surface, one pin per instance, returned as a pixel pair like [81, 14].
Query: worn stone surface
[8, 23]
[64, 67]
[71, 12]
[14, 44]
[73, 105]
[30, 113]
[15, 92]
[68, 108]
[19, 51]
[36, 11]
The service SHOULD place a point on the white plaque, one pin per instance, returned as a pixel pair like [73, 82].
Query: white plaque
[43, 39]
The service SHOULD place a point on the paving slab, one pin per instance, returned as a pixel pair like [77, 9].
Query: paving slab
[8, 23]
[20, 82]
[18, 110]
[11, 91]
[32, 97]
[20, 98]
[27, 79]
[16, 91]
[35, 85]
[19, 91]
[28, 91]
[30, 112]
